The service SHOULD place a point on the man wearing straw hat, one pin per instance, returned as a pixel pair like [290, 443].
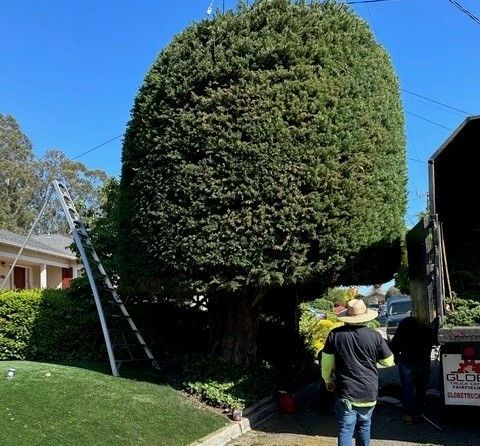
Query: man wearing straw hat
[353, 352]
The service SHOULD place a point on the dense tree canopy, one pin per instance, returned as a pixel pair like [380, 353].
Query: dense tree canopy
[266, 148]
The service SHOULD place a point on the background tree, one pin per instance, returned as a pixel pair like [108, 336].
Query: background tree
[24, 180]
[84, 185]
[18, 183]
[402, 280]
[265, 150]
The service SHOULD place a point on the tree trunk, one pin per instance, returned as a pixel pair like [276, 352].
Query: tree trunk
[235, 319]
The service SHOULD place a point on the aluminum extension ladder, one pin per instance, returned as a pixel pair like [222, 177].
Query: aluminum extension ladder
[94, 269]
[128, 339]
[119, 312]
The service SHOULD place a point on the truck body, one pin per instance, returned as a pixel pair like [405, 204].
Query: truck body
[444, 254]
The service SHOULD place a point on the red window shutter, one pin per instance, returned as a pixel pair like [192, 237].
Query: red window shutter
[19, 278]
[67, 276]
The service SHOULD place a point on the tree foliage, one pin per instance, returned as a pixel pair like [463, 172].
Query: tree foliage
[84, 185]
[24, 180]
[103, 225]
[18, 187]
[265, 148]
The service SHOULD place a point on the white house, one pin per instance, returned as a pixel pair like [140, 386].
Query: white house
[46, 262]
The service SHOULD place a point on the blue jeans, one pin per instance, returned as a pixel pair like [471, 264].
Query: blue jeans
[353, 421]
[414, 380]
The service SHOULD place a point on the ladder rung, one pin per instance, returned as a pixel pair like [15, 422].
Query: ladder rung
[125, 345]
[120, 316]
[146, 360]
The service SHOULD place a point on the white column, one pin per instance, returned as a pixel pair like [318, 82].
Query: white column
[43, 276]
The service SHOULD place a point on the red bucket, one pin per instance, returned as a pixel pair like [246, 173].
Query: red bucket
[287, 402]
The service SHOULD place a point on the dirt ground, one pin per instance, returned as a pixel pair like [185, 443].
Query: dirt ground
[314, 425]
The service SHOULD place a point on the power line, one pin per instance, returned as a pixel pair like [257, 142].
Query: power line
[119, 136]
[465, 10]
[428, 120]
[418, 161]
[409, 132]
[435, 102]
[97, 147]
[357, 2]
[439, 107]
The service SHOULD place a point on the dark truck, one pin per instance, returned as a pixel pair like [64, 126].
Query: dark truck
[444, 254]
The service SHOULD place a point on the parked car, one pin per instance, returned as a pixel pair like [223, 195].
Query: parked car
[397, 310]
[382, 315]
[318, 314]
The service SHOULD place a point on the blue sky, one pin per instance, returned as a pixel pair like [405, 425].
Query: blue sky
[69, 71]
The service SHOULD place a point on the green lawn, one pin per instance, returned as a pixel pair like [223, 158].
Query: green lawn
[54, 405]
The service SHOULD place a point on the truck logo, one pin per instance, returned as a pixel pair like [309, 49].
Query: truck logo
[468, 366]
[468, 371]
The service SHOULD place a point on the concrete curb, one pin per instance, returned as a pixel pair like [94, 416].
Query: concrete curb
[224, 435]
[256, 414]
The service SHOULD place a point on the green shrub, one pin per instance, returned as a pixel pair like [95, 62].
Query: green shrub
[322, 304]
[466, 313]
[336, 295]
[225, 385]
[315, 330]
[373, 324]
[49, 325]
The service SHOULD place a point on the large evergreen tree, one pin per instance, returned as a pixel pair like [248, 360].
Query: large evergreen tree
[18, 183]
[265, 149]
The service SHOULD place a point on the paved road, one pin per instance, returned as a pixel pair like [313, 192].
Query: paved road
[312, 427]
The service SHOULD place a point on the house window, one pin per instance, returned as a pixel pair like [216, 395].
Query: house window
[67, 276]
[19, 278]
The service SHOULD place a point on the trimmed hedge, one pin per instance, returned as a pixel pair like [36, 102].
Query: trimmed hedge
[49, 325]
[266, 149]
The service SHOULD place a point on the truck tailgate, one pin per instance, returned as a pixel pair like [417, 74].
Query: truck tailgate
[458, 335]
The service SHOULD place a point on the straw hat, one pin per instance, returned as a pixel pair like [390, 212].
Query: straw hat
[357, 312]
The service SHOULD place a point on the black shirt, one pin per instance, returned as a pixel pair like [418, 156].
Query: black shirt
[412, 343]
[357, 349]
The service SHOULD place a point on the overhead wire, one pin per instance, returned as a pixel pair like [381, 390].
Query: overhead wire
[429, 120]
[359, 2]
[417, 160]
[97, 147]
[435, 101]
[465, 11]
[412, 139]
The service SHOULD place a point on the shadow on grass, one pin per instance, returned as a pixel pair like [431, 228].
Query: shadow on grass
[137, 372]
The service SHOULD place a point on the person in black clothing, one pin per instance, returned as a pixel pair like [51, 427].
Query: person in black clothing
[412, 347]
[349, 368]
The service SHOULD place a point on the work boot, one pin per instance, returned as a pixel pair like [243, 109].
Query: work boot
[408, 419]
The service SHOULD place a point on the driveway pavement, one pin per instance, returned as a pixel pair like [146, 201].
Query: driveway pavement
[314, 425]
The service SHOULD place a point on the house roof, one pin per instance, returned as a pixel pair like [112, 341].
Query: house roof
[376, 293]
[53, 244]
